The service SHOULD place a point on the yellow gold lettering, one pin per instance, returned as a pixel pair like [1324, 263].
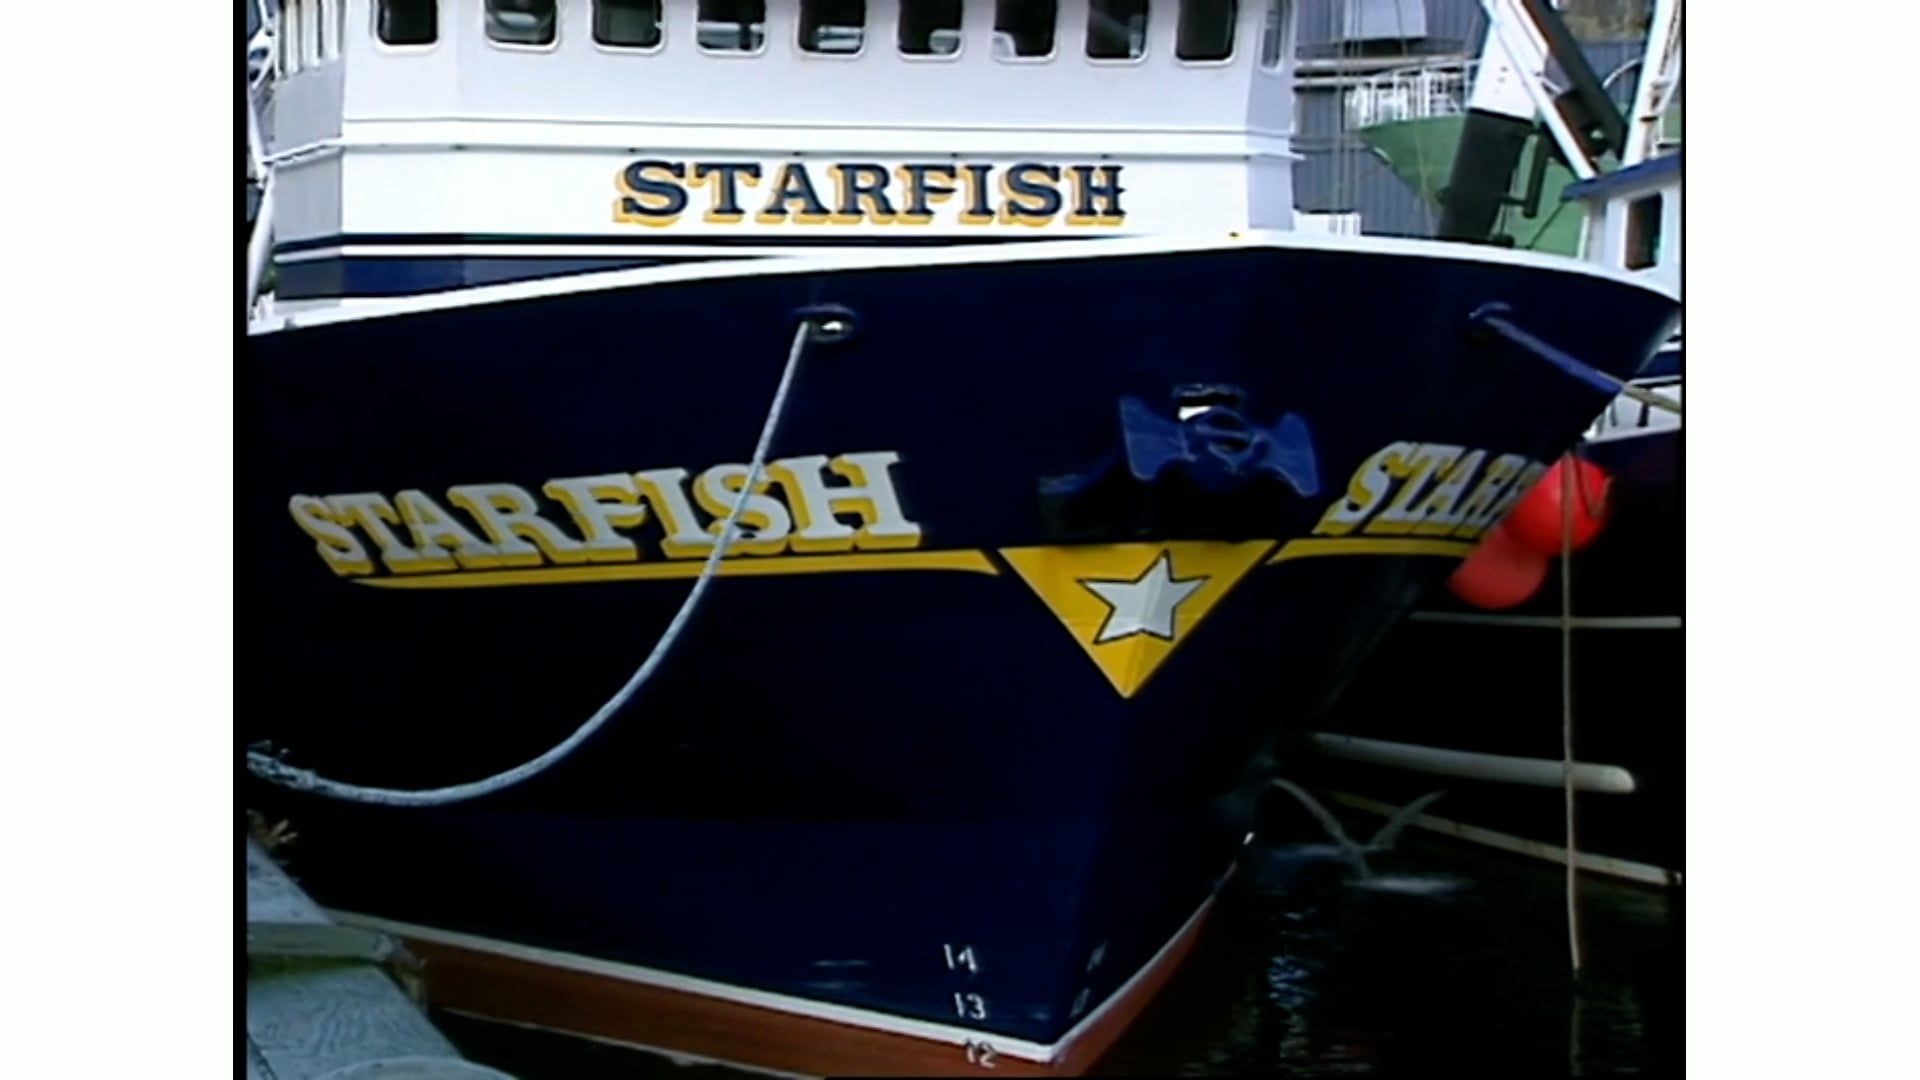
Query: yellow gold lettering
[1435, 516]
[342, 551]
[373, 513]
[1398, 519]
[599, 506]
[508, 515]
[435, 531]
[665, 491]
[868, 495]
[763, 525]
[1370, 482]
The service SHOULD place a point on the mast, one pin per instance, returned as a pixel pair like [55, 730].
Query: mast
[1659, 78]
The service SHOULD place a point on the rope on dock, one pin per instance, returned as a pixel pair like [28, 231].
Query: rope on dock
[279, 772]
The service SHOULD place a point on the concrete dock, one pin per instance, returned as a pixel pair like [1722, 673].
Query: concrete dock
[320, 1002]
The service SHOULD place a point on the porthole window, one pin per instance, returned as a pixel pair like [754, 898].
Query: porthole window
[930, 27]
[521, 22]
[627, 24]
[833, 26]
[1023, 29]
[408, 22]
[1206, 29]
[732, 25]
[1117, 29]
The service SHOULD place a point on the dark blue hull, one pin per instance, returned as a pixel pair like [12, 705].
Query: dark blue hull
[1427, 685]
[845, 777]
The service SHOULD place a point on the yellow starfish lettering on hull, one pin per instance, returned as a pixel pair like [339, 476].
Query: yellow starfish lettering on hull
[1130, 605]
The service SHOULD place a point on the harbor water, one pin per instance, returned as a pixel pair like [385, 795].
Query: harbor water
[1439, 960]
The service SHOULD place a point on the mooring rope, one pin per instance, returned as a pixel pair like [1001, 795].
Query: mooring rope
[279, 772]
[1566, 698]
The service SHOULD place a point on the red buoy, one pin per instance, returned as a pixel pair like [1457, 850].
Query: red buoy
[1501, 572]
[1535, 519]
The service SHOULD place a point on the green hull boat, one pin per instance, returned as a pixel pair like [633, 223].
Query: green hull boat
[1420, 152]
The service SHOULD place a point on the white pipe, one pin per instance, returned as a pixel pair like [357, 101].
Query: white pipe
[1494, 768]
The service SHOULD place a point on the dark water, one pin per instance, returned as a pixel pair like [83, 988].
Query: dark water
[1447, 960]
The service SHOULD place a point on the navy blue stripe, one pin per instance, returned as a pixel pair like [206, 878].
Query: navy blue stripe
[1601, 185]
[410, 276]
[678, 240]
[1663, 364]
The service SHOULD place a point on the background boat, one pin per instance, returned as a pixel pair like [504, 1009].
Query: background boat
[1466, 704]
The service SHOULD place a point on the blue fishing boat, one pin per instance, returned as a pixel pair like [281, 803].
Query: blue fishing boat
[756, 553]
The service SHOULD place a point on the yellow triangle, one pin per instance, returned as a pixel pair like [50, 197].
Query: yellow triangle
[1130, 605]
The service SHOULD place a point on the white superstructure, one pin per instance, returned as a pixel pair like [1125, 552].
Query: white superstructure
[577, 127]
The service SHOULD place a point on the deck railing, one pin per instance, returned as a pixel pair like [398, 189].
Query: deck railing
[1414, 93]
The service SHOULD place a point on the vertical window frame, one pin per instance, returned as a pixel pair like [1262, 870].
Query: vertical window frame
[291, 49]
[1287, 32]
[310, 44]
[329, 26]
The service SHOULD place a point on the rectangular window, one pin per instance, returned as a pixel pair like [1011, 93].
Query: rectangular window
[1117, 29]
[1206, 29]
[1276, 39]
[409, 22]
[732, 25]
[627, 24]
[1024, 28]
[930, 27]
[833, 26]
[1643, 232]
[521, 22]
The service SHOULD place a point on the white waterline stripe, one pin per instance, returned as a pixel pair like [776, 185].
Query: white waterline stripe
[1495, 768]
[667, 980]
[844, 1014]
[1580, 622]
[1644, 873]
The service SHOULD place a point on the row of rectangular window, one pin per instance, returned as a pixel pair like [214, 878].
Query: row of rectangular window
[1023, 29]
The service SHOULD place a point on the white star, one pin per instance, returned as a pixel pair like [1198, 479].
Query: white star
[1144, 605]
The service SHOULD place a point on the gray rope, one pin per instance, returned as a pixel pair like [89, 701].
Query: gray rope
[1566, 695]
[279, 772]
